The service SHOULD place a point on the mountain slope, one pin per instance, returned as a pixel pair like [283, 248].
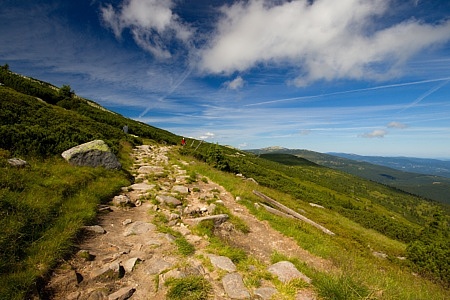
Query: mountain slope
[408, 164]
[428, 186]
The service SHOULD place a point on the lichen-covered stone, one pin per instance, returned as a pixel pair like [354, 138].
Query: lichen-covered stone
[92, 154]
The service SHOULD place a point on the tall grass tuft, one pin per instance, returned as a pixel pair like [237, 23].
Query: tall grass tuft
[188, 288]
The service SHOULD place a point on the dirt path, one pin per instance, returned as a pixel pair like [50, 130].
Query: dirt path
[131, 259]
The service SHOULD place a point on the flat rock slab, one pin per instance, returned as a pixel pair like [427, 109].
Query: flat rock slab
[129, 264]
[168, 200]
[142, 186]
[265, 293]
[157, 266]
[150, 169]
[286, 271]
[122, 294]
[218, 219]
[234, 286]
[222, 262]
[95, 229]
[138, 227]
[180, 189]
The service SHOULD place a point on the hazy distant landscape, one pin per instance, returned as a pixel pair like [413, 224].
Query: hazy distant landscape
[429, 166]
[429, 178]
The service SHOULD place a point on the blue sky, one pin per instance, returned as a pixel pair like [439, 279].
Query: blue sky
[370, 77]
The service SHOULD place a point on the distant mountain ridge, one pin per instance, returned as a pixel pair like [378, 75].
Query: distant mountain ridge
[409, 164]
[432, 187]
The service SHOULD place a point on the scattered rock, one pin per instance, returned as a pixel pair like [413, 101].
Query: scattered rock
[218, 219]
[95, 229]
[286, 271]
[111, 272]
[150, 169]
[252, 180]
[92, 154]
[316, 205]
[129, 264]
[234, 286]
[222, 262]
[126, 222]
[379, 254]
[121, 200]
[180, 189]
[17, 162]
[138, 227]
[122, 294]
[174, 216]
[157, 266]
[142, 186]
[99, 294]
[168, 200]
[211, 208]
[265, 293]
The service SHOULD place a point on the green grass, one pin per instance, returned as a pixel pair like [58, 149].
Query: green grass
[184, 247]
[188, 288]
[43, 208]
[360, 275]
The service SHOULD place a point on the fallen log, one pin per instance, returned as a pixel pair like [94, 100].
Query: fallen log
[291, 212]
[275, 211]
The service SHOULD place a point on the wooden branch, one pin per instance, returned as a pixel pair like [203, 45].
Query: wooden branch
[291, 212]
[275, 211]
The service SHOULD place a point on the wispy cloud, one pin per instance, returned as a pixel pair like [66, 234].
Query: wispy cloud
[235, 84]
[377, 133]
[444, 81]
[397, 125]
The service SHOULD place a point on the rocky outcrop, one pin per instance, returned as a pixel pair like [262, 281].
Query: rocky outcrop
[92, 154]
[17, 162]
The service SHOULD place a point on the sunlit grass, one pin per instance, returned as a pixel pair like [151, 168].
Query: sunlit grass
[360, 274]
[42, 211]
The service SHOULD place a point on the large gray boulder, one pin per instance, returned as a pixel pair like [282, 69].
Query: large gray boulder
[92, 154]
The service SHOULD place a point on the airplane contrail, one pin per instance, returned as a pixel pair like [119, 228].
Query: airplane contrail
[172, 89]
[426, 94]
[445, 79]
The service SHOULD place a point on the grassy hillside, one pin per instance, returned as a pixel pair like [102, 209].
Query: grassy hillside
[43, 206]
[428, 186]
[418, 222]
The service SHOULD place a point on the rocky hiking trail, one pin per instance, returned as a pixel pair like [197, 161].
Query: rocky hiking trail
[127, 256]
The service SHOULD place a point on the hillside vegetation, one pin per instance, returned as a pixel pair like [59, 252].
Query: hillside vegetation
[428, 186]
[44, 205]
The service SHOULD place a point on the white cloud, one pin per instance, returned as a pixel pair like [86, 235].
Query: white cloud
[325, 40]
[397, 125]
[207, 136]
[235, 84]
[377, 133]
[152, 24]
